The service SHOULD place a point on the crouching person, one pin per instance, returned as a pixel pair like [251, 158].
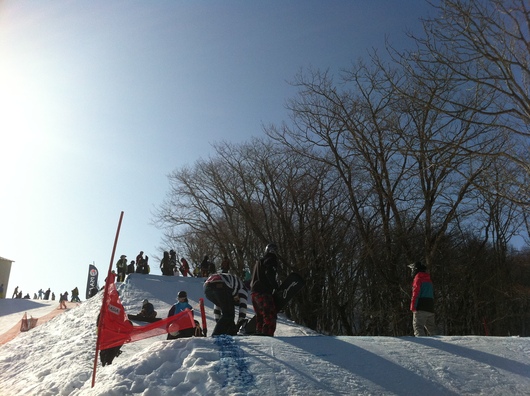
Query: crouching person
[226, 291]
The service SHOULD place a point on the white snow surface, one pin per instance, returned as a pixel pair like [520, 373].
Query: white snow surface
[57, 357]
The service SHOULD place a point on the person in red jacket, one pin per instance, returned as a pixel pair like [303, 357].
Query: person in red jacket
[422, 302]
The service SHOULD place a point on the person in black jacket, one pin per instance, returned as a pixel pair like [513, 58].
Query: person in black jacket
[262, 286]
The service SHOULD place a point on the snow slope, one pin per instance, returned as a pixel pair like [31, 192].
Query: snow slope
[57, 358]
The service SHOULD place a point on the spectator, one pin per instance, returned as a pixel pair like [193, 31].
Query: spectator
[130, 267]
[422, 302]
[262, 285]
[173, 262]
[184, 267]
[225, 265]
[139, 259]
[121, 268]
[205, 267]
[165, 265]
[75, 295]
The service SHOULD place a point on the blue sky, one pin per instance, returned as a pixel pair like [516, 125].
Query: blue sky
[100, 100]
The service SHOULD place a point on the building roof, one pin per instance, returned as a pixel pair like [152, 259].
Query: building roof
[4, 259]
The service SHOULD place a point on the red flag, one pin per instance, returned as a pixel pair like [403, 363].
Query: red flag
[116, 329]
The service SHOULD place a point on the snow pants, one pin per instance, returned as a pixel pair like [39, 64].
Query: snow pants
[421, 321]
[265, 313]
[221, 296]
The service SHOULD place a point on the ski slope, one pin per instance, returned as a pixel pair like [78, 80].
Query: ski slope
[57, 358]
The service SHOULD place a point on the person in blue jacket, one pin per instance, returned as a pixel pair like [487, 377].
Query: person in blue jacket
[178, 307]
[422, 302]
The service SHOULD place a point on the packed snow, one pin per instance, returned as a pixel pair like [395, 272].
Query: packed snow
[57, 357]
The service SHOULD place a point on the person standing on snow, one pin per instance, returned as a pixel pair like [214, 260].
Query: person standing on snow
[184, 267]
[121, 267]
[262, 286]
[225, 265]
[63, 298]
[139, 259]
[173, 262]
[422, 302]
[75, 295]
[205, 267]
[165, 265]
[226, 291]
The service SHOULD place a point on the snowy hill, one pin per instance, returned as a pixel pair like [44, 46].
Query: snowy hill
[57, 358]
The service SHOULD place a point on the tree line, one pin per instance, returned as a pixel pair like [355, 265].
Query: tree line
[422, 155]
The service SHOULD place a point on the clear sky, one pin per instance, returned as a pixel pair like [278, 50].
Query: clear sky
[101, 100]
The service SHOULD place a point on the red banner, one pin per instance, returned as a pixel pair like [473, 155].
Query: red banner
[116, 329]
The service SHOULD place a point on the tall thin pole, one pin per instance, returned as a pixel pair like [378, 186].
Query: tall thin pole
[102, 311]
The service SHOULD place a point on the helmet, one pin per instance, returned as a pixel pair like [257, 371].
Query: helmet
[145, 302]
[182, 294]
[271, 248]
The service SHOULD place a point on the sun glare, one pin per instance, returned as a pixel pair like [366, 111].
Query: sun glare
[21, 118]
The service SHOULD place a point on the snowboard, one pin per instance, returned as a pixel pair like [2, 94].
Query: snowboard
[287, 290]
[143, 318]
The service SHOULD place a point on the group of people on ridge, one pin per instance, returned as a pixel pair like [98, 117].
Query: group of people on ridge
[140, 266]
[168, 265]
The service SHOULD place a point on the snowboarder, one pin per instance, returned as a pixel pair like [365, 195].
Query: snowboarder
[63, 298]
[262, 285]
[148, 310]
[226, 291]
[180, 306]
[422, 302]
